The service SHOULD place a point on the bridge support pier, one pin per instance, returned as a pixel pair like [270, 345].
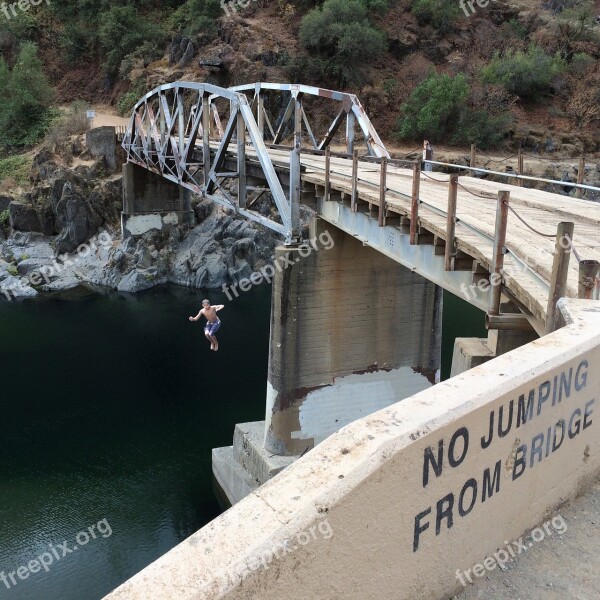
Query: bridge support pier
[152, 202]
[352, 332]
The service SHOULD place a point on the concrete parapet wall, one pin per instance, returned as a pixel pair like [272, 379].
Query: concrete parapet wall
[391, 506]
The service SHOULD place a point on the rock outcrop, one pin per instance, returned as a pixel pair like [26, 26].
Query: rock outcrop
[66, 232]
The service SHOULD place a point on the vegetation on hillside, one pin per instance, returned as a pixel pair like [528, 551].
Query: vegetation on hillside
[436, 72]
[25, 111]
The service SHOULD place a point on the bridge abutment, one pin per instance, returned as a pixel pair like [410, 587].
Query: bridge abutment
[152, 202]
[352, 332]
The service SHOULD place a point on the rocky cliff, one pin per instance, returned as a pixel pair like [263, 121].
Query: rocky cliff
[65, 232]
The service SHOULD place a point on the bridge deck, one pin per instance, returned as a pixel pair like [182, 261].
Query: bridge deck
[476, 215]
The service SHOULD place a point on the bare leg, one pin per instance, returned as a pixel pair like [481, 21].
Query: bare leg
[210, 339]
[215, 343]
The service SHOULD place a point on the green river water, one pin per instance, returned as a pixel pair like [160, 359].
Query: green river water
[111, 405]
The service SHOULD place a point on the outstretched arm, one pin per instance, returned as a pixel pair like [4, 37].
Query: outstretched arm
[197, 317]
[220, 307]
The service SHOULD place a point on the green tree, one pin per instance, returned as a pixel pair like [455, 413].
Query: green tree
[197, 16]
[341, 38]
[25, 110]
[121, 31]
[527, 74]
[438, 110]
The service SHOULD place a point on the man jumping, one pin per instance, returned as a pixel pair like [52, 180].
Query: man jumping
[213, 323]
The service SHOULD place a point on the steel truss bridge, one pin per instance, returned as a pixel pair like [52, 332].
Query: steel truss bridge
[299, 143]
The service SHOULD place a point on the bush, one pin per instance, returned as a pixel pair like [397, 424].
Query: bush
[126, 103]
[15, 167]
[197, 16]
[4, 219]
[73, 122]
[441, 14]
[25, 111]
[526, 74]
[437, 110]
[341, 38]
[122, 31]
[434, 107]
[141, 57]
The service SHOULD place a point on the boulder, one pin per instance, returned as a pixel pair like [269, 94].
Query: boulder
[24, 217]
[77, 219]
[203, 210]
[5, 202]
[211, 275]
[188, 55]
[139, 280]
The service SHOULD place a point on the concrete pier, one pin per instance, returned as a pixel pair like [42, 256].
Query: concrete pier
[352, 332]
[152, 202]
[360, 331]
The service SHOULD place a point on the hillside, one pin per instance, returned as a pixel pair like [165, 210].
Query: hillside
[522, 73]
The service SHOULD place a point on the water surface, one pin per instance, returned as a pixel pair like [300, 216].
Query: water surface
[111, 405]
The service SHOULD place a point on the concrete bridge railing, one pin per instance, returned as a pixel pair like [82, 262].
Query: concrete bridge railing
[393, 505]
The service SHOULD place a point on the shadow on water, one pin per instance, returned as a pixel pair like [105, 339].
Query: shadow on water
[111, 405]
[461, 319]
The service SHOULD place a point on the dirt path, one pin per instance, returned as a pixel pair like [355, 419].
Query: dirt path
[559, 567]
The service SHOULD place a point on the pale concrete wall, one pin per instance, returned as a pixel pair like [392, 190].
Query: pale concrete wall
[102, 141]
[383, 510]
[152, 202]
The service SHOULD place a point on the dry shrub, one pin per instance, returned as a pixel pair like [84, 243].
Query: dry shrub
[583, 106]
[413, 70]
[73, 123]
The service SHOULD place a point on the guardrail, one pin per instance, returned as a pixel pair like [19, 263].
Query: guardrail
[589, 270]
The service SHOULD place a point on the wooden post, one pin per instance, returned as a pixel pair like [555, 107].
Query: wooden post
[499, 251]
[427, 155]
[581, 175]
[589, 280]
[451, 223]
[520, 167]
[414, 208]
[354, 201]
[473, 158]
[382, 191]
[560, 273]
[327, 172]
